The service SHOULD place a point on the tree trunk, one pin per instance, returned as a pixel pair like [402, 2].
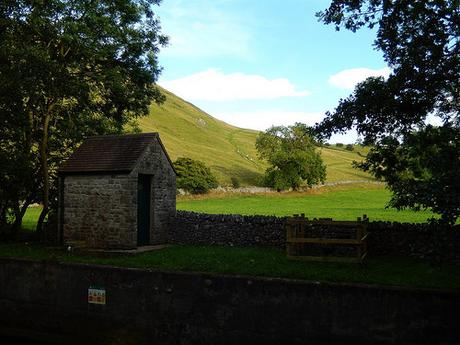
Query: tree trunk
[19, 213]
[17, 221]
[45, 173]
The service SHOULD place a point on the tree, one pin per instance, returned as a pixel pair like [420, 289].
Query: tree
[194, 176]
[291, 153]
[72, 68]
[420, 41]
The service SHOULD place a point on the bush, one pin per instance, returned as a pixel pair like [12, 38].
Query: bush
[235, 182]
[194, 176]
[339, 145]
[350, 147]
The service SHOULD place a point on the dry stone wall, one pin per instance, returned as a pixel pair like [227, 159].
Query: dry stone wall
[227, 229]
[385, 238]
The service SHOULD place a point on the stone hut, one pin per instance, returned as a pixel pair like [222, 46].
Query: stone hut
[117, 192]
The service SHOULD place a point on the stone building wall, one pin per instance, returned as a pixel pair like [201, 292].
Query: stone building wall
[154, 162]
[100, 210]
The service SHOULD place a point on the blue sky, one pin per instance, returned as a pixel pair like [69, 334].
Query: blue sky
[259, 63]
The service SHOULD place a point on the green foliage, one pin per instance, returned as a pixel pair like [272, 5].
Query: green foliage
[349, 147]
[339, 145]
[69, 69]
[291, 153]
[235, 182]
[420, 42]
[422, 171]
[194, 176]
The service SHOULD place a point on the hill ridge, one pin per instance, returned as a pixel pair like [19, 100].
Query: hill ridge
[188, 131]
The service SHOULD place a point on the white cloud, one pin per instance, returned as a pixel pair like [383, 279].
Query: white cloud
[263, 119]
[433, 120]
[348, 78]
[213, 85]
[200, 29]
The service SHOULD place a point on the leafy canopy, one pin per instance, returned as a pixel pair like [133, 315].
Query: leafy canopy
[291, 152]
[69, 69]
[420, 41]
[194, 176]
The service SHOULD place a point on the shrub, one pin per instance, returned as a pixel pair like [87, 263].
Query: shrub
[235, 182]
[339, 145]
[350, 147]
[194, 176]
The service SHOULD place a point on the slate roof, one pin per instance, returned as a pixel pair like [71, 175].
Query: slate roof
[109, 153]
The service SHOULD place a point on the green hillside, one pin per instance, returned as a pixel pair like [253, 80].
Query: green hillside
[187, 131]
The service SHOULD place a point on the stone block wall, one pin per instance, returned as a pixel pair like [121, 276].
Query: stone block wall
[50, 300]
[100, 210]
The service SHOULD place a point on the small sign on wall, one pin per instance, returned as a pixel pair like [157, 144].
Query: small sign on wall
[96, 295]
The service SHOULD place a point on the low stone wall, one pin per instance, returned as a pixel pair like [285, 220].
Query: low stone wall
[49, 301]
[227, 229]
[421, 240]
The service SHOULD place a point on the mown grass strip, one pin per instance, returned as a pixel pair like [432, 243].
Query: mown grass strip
[264, 262]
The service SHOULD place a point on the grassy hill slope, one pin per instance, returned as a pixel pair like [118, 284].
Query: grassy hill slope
[187, 131]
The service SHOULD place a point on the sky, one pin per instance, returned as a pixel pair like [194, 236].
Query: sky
[254, 63]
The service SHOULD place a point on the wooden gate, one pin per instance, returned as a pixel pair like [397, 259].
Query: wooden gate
[326, 240]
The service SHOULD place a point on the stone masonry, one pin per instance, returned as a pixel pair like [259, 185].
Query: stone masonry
[99, 209]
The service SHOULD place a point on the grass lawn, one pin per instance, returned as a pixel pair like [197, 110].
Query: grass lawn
[262, 262]
[29, 222]
[340, 203]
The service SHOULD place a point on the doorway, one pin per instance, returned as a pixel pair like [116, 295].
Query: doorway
[143, 209]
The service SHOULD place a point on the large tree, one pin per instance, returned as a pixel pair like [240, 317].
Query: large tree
[420, 41]
[291, 153]
[68, 69]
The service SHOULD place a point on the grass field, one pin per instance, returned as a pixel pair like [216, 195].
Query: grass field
[342, 202]
[187, 131]
[29, 222]
[263, 262]
[339, 202]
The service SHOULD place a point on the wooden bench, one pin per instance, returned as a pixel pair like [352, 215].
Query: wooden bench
[299, 239]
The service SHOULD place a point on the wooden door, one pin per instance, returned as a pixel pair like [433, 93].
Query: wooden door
[143, 209]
